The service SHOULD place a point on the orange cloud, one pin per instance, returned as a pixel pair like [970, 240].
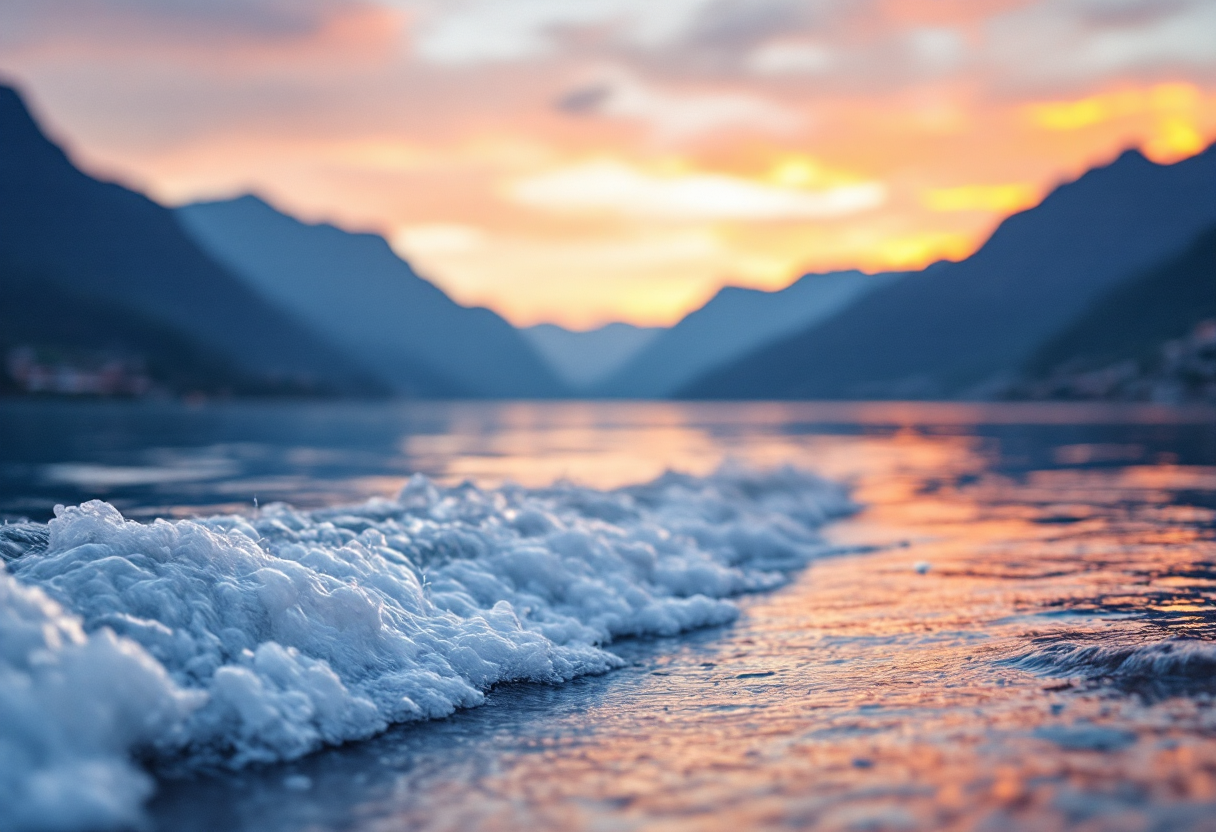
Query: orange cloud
[622, 159]
[1003, 199]
[917, 250]
[1169, 99]
[1170, 117]
[616, 187]
[225, 39]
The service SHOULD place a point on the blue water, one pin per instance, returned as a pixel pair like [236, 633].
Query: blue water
[1017, 630]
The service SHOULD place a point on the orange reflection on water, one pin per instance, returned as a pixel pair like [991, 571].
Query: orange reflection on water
[607, 444]
[876, 691]
[881, 689]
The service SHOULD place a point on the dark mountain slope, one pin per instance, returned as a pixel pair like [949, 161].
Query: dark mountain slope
[583, 359]
[361, 295]
[39, 317]
[733, 323]
[962, 329]
[101, 240]
[1134, 319]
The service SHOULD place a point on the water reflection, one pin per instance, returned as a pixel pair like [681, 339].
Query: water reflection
[975, 658]
[164, 458]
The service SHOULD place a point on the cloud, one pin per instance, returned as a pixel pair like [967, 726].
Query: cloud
[892, 57]
[466, 32]
[1003, 199]
[585, 99]
[459, 123]
[1075, 40]
[1175, 110]
[680, 115]
[790, 58]
[617, 188]
[23, 22]
[680, 35]
[937, 48]
[1166, 99]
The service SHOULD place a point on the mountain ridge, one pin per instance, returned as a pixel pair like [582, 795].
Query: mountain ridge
[1120, 341]
[957, 329]
[583, 359]
[101, 239]
[353, 288]
[734, 321]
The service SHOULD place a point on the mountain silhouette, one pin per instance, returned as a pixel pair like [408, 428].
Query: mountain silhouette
[961, 330]
[39, 317]
[733, 323]
[1137, 316]
[102, 241]
[581, 359]
[355, 290]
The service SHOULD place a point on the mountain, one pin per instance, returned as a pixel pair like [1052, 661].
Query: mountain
[734, 322]
[1118, 345]
[357, 292]
[961, 330]
[582, 359]
[84, 344]
[1138, 315]
[100, 241]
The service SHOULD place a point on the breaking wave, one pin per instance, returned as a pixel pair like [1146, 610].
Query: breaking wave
[1177, 662]
[233, 640]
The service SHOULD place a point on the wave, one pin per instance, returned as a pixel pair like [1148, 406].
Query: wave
[233, 640]
[1176, 662]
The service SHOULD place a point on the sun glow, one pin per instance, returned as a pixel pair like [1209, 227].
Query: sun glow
[1002, 199]
[620, 160]
[619, 188]
[1170, 118]
[1170, 99]
[917, 250]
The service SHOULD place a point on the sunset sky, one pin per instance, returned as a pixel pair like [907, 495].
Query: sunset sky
[581, 161]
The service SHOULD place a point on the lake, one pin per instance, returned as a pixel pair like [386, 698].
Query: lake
[1015, 629]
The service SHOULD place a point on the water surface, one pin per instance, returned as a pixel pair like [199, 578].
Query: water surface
[1016, 632]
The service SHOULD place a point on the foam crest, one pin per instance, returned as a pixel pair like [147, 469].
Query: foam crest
[1176, 661]
[231, 640]
[73, 707]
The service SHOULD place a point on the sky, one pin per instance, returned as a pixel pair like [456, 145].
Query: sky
[584, 161]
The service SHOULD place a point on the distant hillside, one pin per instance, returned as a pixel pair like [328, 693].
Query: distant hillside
[962, 330]
[1119, 347]
[733, 323]
[583, 359]
[70, 333]
[1137, 316]
[100, 241]
[1180, 370]
[356, 291]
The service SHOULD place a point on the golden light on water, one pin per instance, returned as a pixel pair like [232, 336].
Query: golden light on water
[877, 691]
[1014, 629]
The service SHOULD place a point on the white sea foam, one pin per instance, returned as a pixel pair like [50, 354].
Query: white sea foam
[232, 640]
